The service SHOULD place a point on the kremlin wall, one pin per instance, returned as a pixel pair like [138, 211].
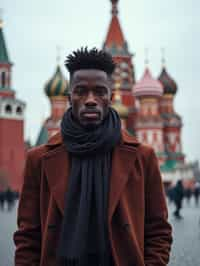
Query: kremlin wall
[146, 107]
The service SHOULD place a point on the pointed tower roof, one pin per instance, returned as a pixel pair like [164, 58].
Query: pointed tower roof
[5, 67]
[115, 42]
[148, 86]
[4, 58]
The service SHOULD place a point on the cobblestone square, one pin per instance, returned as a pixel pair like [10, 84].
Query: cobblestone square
[186, 232]
[186, 246]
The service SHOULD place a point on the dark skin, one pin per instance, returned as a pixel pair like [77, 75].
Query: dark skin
[90, 96]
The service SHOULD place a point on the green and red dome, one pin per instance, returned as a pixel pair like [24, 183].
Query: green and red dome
[57, 85]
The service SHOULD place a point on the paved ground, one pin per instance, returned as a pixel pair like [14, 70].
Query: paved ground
[185, 250]
[186, 246]
[7, 227]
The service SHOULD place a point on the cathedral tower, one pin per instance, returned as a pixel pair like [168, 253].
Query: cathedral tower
[124, 74]
[172, 121]
[149, 125]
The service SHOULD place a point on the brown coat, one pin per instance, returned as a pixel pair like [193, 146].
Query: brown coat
[138, 228]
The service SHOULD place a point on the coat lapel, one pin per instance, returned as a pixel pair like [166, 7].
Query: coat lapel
[56, 167]
[123, 167]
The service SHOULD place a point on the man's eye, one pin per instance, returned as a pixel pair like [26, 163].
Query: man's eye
[80, 91]
[100, 91]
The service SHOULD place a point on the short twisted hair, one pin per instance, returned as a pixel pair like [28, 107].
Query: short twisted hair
[90, 59]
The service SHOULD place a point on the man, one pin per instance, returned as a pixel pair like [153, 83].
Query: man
[197, 193]
[178, 195]
[93, 195]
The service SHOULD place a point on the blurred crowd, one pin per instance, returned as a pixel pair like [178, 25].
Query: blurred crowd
[176, 193]
[8, 199]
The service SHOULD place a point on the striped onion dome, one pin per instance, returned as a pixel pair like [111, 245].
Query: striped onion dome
[57, 85]
[168, 83]
[148, 86]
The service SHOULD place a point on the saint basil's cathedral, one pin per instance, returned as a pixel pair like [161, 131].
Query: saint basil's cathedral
[145, 106]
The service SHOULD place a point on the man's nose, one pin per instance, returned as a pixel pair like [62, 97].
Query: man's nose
[90, 100]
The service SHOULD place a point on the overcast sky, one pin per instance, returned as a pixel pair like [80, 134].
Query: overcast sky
[33, 30]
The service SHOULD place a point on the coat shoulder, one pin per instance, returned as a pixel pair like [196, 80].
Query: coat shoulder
[144, 149]
[37, 153]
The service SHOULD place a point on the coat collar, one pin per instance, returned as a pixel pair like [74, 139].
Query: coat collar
[126, 139]
[56, 167]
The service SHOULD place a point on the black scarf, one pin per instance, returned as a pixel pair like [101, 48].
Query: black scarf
[84, 233]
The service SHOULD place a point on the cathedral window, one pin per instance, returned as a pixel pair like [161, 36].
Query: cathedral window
[155, 136]
[8, 109]
[19, 110]
[124, 65]
[3, 79]
[124, 74]
[145, 136]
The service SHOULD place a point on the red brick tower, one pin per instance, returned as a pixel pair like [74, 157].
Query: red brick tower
[117, 46]
[12, 148]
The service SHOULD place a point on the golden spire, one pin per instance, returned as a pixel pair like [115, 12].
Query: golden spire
[114, 7]
[58, 51]
[146, 61]
[163, 57]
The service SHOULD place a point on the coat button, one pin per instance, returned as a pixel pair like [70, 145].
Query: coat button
[52, 227]
[126, 226]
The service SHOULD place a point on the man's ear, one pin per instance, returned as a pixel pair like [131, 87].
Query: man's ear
[69, 98]
[112, 96]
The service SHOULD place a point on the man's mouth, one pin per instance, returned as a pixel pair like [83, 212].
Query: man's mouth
[91, 115]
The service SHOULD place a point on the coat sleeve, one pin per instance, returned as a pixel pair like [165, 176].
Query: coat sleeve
[158, 232]
[28, 236]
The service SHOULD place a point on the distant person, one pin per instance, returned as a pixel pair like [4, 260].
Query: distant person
[93, 195]
[2, 200]
[197, 193]
[10, 199]
[170, 194]
[178, 194]
[188, 194]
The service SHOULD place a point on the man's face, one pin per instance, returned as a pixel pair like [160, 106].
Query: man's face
[90, 96]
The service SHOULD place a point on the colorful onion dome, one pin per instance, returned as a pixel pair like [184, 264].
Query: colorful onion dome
[57, 85]
[148, 86]
[122, 110]
[168, 83]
